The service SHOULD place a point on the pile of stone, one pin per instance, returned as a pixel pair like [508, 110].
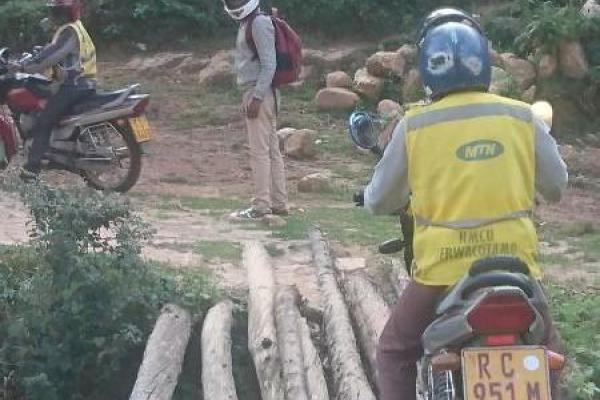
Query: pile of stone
[342, 92]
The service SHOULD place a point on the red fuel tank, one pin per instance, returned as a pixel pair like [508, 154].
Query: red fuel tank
[24, 99]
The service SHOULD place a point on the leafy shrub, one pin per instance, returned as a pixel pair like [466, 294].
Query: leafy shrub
[577, 316]
[156, 22]
[79, 300]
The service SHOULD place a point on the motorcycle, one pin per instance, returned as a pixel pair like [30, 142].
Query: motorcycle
[101, 139]
[486, 340]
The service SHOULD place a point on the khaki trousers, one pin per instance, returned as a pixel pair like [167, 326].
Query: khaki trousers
[266, 161]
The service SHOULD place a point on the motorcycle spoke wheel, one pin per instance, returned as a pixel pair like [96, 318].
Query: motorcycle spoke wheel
[123, 170]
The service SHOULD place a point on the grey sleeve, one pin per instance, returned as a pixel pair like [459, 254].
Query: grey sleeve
[53, 53]
[551, 175]
[263, 33]
[389, 191]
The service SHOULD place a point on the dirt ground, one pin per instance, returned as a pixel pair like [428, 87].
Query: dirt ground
[210, 160]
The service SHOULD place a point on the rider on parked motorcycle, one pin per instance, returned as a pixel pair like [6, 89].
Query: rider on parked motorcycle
[72, 56]
[470, 163]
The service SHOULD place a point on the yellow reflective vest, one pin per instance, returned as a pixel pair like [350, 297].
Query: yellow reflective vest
[87, 50]
[471, 163]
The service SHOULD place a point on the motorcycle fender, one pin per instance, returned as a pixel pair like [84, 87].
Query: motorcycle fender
[445, 332]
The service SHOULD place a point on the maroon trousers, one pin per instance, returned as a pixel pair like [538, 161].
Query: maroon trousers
[400, 344]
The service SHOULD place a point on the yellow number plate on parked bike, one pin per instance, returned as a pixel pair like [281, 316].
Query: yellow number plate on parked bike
[141, 129]
[506, 373]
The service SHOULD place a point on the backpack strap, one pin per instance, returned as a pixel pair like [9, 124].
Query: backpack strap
[249, 37]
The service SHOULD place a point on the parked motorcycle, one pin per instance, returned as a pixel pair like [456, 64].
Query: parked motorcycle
[100, 140]
[486, 341]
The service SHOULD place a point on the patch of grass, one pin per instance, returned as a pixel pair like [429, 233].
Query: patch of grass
[165, 202]
[223, 251]
[351, 226]
[553, 259]
[590, 245]
[577, 315]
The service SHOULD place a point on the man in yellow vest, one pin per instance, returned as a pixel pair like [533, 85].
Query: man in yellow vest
[72, 55]
[470, 163]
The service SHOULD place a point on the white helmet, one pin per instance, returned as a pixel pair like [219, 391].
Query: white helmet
[240, 9]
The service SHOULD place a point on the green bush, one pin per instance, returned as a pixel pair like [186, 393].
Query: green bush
[156, 22]
[577, 316]
[78, 303]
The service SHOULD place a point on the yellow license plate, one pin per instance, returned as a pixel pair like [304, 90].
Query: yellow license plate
[506, 373]
[141, 129]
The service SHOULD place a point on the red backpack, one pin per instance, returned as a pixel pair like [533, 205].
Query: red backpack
[288, 47]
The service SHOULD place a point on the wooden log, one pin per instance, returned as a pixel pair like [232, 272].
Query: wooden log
[290, 343]
[217, 368]
[370, 313]
[349, 377]
[164, 355]
[302, 367]
[315, 376]
[262, 336]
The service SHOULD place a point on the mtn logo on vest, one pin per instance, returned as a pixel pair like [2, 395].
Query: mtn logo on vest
[480, 150]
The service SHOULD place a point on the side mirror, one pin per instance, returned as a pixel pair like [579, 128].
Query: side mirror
[544, 111]
[362, 131]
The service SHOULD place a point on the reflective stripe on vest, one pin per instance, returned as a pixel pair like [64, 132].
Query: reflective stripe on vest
[86, 65]
[471, 159]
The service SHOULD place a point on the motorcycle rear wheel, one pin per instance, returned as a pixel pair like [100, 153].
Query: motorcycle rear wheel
[131, 152]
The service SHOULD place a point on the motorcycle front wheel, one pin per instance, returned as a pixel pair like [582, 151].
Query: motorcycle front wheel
[119, 157]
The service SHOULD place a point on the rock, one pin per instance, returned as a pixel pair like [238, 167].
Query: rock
[330, 99]
[502, 82]
[298, 143]
[528, 96]
[389, 109]
[192, 65]
[547, 66]
[572, 60]
[591, 9]
[385, 63]
[585, 161]
[412, 86]
[495, 58]
[160, 61]
[339, 79]
[219, 70]
[409, 53]
[274, 221]
[592, 139]
[315, 183]
[334, 59]
[368, 85]
[522, 71]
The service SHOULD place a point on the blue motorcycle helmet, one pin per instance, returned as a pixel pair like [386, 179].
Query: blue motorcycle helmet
[453, 54]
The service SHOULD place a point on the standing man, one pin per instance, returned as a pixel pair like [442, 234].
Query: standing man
[469, 162]
[255, 68]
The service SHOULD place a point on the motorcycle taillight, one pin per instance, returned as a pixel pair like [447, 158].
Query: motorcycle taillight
[140, 107]
[501, 314]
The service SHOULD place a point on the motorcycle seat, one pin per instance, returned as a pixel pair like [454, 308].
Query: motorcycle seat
[498, 278]
[103, 100]
[499, 263]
